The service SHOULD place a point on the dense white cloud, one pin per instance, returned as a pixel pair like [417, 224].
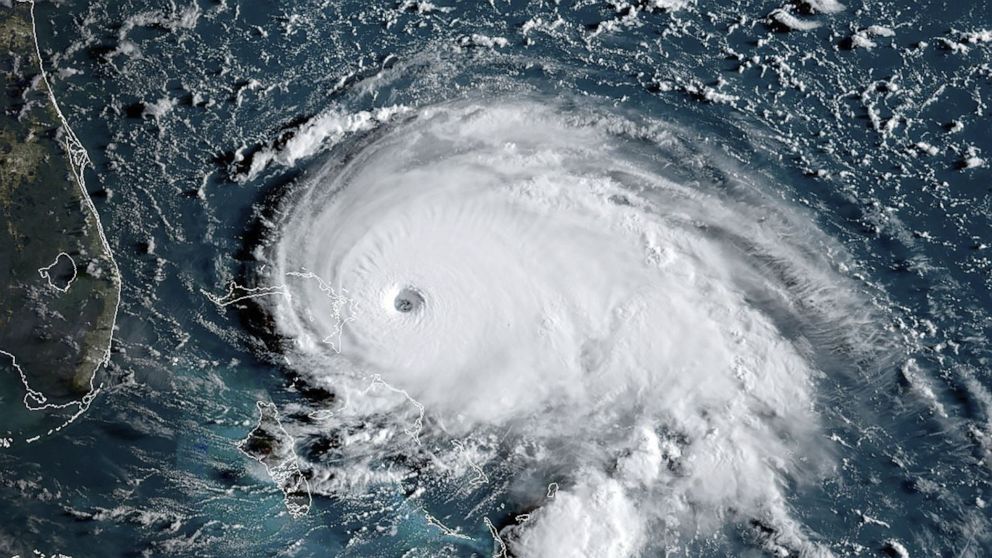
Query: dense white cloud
[520, 267]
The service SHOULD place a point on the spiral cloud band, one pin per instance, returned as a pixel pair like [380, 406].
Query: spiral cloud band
[633, 314]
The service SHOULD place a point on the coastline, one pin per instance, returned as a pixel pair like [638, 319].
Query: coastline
[56, 331]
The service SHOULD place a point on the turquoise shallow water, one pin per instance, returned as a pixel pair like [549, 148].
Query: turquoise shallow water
[886, 148]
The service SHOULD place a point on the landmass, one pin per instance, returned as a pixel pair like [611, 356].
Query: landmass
[60, 283]
[270, 444]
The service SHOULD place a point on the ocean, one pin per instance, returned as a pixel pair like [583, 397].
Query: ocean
[544, 278]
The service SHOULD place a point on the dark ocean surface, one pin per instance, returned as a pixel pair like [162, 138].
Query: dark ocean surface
[875, 126]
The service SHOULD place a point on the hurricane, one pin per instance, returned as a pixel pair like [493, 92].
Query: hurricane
[603, 297]
[542, 279]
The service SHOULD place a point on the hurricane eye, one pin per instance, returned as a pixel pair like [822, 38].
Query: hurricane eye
[408, 300]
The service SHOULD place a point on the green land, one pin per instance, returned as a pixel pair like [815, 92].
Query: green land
[59, 284]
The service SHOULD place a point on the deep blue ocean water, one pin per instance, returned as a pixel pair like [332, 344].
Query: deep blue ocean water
[173, 99]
